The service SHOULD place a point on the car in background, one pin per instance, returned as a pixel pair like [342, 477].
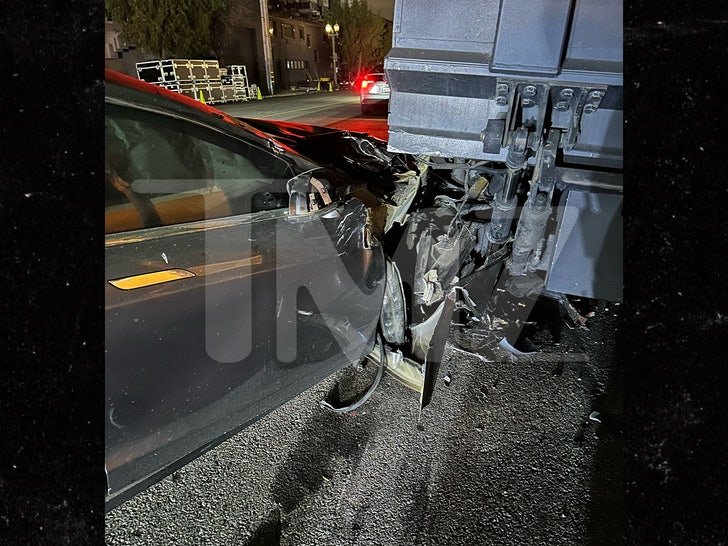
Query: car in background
[357, 81]
[345, 80]
[374, 91]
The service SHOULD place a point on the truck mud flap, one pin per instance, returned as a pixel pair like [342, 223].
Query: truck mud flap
[431, 366]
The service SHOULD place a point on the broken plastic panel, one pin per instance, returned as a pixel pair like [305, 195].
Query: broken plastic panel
[408, 184]
[394, 312]
[403, 369]
[307, 195]
[431, 365]
[438, 263]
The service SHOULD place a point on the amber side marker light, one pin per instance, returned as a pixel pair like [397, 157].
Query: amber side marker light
[150, 279]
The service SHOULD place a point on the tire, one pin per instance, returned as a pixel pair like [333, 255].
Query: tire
[364, 109]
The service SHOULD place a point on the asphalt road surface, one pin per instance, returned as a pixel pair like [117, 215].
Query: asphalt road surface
[340, 110]
[505, 454]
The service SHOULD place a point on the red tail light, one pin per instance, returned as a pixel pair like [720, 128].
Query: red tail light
[365, 84]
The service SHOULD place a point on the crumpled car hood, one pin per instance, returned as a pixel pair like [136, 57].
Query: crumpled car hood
[357, 155]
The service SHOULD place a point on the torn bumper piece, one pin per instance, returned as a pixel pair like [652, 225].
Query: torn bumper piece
[428, 342]
[403, 369]
[404, 195]
[428, 345]
[438, 264]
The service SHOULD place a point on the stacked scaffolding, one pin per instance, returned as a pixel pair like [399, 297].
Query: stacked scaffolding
[199, 79]
[236, 81]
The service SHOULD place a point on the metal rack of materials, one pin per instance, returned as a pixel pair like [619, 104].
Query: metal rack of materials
[199, 79]
[236, 82]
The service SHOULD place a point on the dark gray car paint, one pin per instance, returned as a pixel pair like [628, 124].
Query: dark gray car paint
[168, 395]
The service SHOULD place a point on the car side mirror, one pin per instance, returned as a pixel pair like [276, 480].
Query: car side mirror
[307, 195]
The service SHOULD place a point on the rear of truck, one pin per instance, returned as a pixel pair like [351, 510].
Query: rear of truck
[517, 109]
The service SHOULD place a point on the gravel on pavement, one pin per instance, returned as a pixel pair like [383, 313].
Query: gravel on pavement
[505, 454]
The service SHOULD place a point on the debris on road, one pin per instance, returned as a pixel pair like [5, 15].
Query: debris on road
[595, 416]
[351, 407]
[505, 344]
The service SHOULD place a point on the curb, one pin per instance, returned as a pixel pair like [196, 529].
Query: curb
[296, 94]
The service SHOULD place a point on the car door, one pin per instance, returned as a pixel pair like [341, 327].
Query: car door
[220, 306]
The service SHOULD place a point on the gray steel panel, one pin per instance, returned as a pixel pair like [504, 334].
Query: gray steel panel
[600, 140]
[443, 90]
[531, 36]
[465, 25]
[611, 182]
[596, 31]
[587, 259]
[439, 125]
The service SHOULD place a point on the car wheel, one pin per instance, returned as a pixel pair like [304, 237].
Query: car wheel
[364, 109]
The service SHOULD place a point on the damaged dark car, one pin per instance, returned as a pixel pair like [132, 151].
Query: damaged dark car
[247, 260]
[239, 272]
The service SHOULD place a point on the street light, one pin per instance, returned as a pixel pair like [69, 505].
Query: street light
[333, 31]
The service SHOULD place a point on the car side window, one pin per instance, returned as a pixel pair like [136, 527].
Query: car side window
[163, 171]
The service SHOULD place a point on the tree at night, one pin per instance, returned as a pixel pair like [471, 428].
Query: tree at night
[362, 38]
[168, 27]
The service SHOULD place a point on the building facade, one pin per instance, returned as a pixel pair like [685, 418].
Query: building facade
[311, 8]
[301, 51]
[282, 43]
[240, 36]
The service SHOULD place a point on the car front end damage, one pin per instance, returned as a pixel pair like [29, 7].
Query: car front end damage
[470, 239]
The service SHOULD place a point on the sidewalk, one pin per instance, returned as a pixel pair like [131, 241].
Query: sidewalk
[289, 93]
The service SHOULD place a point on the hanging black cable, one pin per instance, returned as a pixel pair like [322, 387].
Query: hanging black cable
[382, 363]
